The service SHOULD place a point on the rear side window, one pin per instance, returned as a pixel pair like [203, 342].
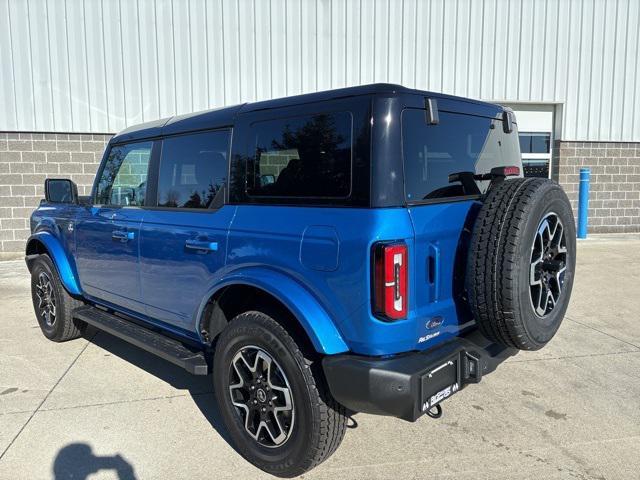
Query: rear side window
[458, 143]
[306, 156]
[193, 169]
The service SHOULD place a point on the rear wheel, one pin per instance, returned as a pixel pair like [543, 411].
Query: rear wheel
[52, 304]
[521, 262]
[274, 403]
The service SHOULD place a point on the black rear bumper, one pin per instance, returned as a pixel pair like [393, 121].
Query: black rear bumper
[408, 385]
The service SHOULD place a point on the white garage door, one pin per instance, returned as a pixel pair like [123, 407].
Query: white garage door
[535, 128]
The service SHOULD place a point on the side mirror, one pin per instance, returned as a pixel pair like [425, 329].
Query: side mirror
[267, 180]
[60, 190]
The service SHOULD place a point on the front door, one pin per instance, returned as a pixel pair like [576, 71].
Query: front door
[183, 240]
[108, 233]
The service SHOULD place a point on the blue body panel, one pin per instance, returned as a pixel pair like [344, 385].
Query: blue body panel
[275, 235]
[175, 279]
[50, 227]
[343, 288]
[60, 259]
[313, 317]
[316, 261]
[439, 240]
[107, 266]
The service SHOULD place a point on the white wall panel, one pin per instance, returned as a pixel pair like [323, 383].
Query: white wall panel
[8, 106]
[100, 65]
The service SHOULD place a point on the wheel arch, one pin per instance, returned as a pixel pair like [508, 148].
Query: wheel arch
[258, 289]
[44, 243]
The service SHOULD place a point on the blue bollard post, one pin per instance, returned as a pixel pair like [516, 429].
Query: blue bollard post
[583, 203]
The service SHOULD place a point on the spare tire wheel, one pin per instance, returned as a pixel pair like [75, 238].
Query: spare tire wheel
[521, 262]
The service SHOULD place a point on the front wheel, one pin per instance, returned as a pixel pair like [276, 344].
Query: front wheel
[276, 408]
[52, 303]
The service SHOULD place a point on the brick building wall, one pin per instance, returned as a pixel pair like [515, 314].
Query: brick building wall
[26, 159]
[614, 203]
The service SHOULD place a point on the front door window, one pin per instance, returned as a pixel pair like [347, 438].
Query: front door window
[123, 180]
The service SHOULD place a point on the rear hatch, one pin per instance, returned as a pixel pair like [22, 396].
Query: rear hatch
[443, 212]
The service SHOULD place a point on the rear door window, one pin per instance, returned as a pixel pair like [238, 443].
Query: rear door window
[307, 156]
[458, 143]
[193, 169]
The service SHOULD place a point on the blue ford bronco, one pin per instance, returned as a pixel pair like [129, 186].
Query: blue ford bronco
[369, 249]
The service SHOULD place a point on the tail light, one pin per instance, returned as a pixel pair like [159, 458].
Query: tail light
[390, 292]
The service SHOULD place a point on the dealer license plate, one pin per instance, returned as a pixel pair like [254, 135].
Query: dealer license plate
[440, 383]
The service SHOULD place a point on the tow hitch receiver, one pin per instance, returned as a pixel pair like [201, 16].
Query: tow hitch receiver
[446, 379]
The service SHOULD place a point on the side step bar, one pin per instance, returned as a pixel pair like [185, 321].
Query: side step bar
[172, 350]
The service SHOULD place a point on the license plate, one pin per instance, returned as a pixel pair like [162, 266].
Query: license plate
[440, 383]
[439, 396]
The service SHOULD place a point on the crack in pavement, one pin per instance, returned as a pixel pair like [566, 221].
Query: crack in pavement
[600, 331]
[568, 357]
[45, 398]
[124, 402]
[445, 455]
[114, 402]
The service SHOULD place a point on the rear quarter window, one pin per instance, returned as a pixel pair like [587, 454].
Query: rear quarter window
[458, 143]
[301, 157]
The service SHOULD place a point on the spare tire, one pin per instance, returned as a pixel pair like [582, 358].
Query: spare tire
[521, 262]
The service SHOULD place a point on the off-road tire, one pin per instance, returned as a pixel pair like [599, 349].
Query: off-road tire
[320, 422]
[499, 262]
[65, 326]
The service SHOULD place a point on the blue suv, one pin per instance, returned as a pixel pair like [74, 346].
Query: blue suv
[369, 249]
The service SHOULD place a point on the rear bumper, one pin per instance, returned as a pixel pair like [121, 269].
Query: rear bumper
[408, 385]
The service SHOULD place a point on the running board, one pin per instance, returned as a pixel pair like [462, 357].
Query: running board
[193, 361]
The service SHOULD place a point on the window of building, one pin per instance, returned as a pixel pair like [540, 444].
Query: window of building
[535, 142]
[193, 169]
[306, 156]
[123, 180]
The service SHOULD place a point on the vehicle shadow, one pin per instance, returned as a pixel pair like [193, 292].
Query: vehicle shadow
[199, 387]
[77, 461]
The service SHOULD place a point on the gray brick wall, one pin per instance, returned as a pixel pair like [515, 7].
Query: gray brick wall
[614, 204]
[26, 159]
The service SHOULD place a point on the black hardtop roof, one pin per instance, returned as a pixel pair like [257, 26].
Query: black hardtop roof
[225, 116]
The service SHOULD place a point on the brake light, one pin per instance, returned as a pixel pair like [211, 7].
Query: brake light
[390, 292]
[511, 171]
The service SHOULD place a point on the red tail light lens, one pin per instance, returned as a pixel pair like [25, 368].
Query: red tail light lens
[390, 292]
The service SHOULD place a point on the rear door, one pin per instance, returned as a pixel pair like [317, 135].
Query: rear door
[184, 237]
[443, 213]
[107, 233]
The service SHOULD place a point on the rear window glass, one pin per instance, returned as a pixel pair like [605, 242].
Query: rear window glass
[458, 143]
[193, 169]
[306, 156]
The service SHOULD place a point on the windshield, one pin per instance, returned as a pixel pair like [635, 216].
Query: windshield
[458, 143]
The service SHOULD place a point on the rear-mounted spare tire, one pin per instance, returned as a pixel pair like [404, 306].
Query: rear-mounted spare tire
[521, 262]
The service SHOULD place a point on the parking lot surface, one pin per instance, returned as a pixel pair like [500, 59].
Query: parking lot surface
[98, 408]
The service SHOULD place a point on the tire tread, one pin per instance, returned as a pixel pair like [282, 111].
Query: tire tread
[493, 261]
